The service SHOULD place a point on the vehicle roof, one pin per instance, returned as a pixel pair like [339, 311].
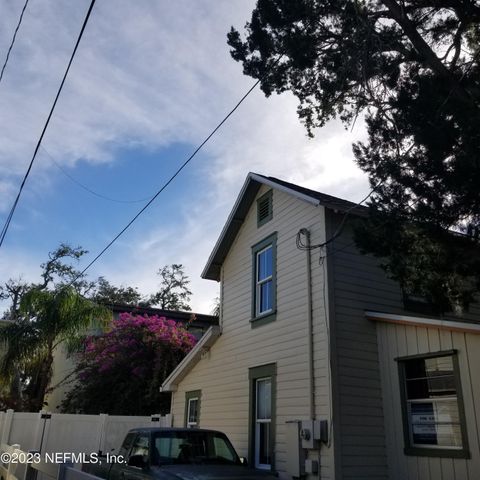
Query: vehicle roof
[173, 429]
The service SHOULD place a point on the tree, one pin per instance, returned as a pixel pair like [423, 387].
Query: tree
[413, 70]
[107, 294]
[174, 293]
[42, 315]
[45, 319]
[120, 372]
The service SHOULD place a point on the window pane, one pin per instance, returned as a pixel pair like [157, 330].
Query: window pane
[193, 410]
[266, 294]
[264, 443]
[428, 367]
[265, 264]
[264, 399]
[222, 450]
[431, 387]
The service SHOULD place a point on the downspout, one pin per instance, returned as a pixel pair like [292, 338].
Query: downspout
[311, 369]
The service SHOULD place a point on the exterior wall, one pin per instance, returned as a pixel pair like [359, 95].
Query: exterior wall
[63, 365]
[401, 340]
[362, 419]
[222, 374]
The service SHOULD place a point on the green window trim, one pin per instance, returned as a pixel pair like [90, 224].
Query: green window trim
[254, 374]
[258, 320]
[446, 452]
[264, 208]
[190, 396]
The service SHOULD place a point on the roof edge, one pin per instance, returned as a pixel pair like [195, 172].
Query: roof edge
[192, 358]
[207, 272]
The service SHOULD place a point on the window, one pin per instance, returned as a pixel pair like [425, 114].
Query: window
[192, 446]
[192, 409]
[264, 208]
[264, 280]
[262, 416]
[434, 419]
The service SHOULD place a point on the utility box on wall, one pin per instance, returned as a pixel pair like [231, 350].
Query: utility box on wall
[295, 454]
[312, 432]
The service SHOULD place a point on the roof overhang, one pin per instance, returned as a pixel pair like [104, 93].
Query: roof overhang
[237, 216]
[194, 356]
[470, 327]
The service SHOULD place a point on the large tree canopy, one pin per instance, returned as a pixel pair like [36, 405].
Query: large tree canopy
[412, 70]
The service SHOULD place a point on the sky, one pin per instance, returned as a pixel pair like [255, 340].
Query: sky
[149, 82]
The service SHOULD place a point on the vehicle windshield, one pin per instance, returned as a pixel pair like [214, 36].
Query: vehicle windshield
[193, 446]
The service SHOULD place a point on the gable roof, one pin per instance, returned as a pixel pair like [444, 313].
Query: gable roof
[242, 206]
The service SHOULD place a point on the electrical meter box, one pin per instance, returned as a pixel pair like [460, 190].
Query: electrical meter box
[312, 432]
[295, 454]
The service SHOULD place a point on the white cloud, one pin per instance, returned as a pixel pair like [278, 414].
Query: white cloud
[151, 74]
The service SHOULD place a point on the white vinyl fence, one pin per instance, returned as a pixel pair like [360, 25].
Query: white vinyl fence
[70, 433]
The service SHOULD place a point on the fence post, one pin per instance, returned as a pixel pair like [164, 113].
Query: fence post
[62, 470]
[30, 472]
[7, 425]
[101, 433]
[168, 420]
[38, 439]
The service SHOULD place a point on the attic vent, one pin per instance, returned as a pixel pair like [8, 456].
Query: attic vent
[264, 208]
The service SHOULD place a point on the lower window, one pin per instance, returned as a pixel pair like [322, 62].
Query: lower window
[192, 408]
[262, 414]
[432, 405]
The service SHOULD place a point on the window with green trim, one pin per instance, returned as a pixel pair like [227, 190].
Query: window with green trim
[264, 256]
[262, 416]
[432, 405]
[192, 408]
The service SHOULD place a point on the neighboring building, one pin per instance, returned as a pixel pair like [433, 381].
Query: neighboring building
[64, 364]
[321, 334]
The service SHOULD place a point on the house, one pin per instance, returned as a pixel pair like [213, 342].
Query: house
[64, 364]
[319, 367]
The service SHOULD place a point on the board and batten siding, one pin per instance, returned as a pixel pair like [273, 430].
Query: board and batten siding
[222, 373]
[362, 385]
[402, 340]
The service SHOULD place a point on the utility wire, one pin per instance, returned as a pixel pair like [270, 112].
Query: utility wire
[14, 206]
[89, 190]
[172, 178]
[13, 39]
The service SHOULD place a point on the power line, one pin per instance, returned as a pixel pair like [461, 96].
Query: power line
[14, 206]
[172, 178]
[13, 39]
[89, 190]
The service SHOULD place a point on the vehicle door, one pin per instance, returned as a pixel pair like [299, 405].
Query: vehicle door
[137, 461]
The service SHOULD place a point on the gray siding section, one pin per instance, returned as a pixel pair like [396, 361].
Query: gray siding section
[358, 284]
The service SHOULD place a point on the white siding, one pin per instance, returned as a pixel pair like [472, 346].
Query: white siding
[401, 340]
[222, 375]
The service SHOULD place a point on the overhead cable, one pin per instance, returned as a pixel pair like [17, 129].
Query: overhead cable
[184, 164]
[13, 39]
[15, 203]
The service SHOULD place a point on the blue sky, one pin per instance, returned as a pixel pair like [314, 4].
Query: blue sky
[151, 79]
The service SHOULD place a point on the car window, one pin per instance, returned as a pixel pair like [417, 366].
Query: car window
[127, 444]
[193, 446]
[223, 450]
[141, 445]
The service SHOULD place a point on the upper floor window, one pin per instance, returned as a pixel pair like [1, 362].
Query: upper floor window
[264, 278]
[434, 420]
[264, 281]
[264, 208]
